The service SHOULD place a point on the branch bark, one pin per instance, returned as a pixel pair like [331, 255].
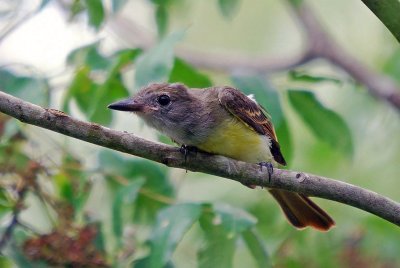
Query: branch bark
[246, 173]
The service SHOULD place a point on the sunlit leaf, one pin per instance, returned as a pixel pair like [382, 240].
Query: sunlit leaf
[228, 7]
[95, 12]
[188, 75]
[172, 223]
[324, 123]
[156, 64]
[125, 195]
[28, 88]
[257, 248]
[269, 98]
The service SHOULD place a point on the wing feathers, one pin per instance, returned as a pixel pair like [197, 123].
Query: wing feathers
[252, 115]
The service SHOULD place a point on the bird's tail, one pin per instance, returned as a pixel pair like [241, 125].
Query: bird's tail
[301, 211]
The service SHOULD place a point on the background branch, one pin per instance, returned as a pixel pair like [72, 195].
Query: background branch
[319, 44]
[246, 173]
[322, 45]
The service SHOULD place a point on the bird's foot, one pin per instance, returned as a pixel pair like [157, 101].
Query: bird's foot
[269, 167]
[187, 149]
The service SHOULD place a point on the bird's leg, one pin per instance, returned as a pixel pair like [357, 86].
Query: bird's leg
[269, 167]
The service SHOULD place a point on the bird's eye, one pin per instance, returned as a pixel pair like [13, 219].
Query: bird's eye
[163, 100]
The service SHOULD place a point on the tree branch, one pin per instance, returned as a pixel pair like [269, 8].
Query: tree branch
[319, 45]
[246, 173]
[322, 45]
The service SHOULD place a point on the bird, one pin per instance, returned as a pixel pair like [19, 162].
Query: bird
[223, 121]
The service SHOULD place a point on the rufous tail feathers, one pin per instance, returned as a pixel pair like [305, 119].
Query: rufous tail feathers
[301, 211]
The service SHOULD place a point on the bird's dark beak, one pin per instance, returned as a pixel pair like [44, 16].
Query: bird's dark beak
[128, 105]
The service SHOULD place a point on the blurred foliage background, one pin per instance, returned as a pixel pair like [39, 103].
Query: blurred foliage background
[65, 203]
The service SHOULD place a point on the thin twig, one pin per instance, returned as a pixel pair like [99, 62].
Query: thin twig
[246, 173]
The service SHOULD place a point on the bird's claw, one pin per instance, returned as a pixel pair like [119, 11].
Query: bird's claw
[270, 168]
[186, 149]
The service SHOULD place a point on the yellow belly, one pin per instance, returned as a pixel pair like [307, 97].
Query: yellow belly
[236, 140]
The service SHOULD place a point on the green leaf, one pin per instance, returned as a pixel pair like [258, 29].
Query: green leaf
[125, 195]
[296, 3]
[75, 8]
[157, 183]
[304, 77]
[161, 19]
[117, 5]
[156, 64]
[188, 75]
[233, 220]
[90, 56]
[32, 89]
[222, 225]
[122, 58]
[257, 248]
[269, 98]
[95, 12]
[172, 223]
[82, 89]
[388, 12]
[324, 123]
[392, 66]
[92, 98]
[71, 183]
[6, 204]
[98, 241]
[228, 7]
[5, 262]
[113, 89]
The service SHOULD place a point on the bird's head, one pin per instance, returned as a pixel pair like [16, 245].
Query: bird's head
[163, 106]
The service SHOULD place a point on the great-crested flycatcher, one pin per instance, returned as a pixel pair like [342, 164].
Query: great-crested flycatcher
[223, 121]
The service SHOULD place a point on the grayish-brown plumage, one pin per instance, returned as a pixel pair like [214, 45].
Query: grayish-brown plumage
[224, 121]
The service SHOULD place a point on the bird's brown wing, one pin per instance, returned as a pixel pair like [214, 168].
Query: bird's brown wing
[253, 115]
